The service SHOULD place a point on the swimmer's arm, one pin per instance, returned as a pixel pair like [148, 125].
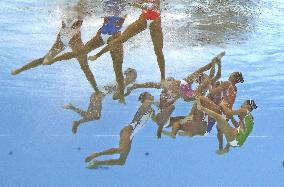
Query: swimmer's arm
[160, 128]
[201, 88]
[219, 73]
[212, 71]
[154, 117]
[143, 85]
[242, 125]
[191, 77]
[240, 112]
[227, 110]
[220, 88]
[234, 121]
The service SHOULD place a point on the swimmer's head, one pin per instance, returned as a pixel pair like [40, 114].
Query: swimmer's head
[216, 84]
[130, 76]
[146, 98]
[236, 77]
[250, 104]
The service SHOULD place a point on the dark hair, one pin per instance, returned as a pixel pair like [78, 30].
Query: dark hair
[252, 104]
[239, 77]
[142, 96]
[218, 83]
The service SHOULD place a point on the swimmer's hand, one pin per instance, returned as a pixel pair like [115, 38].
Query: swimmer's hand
[159, 131]
[93, 58]
[198, 103]
[222, 151]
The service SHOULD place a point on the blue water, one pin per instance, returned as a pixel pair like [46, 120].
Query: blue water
[38, 149]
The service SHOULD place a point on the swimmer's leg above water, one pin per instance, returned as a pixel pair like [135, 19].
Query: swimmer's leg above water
[57, 47]
[132, 30]
[234, 136]
[92, 44]
[207, 67]
[135, 86]
[137, 27]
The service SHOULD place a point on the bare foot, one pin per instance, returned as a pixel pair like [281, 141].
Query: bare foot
[93, 58]
[90, 158]
[93, 165]
[121, 99]
[68, 106]
[15, 71]
[47, 60]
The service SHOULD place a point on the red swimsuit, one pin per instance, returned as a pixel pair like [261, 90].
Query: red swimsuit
[151, 14]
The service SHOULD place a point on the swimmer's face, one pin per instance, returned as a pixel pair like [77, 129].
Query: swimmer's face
[146, 98]
[149, 100]
[218, 83]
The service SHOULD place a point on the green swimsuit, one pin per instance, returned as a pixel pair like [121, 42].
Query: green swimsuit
[242, 136]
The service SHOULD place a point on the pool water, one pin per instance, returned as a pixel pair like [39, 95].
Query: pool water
[38, 148]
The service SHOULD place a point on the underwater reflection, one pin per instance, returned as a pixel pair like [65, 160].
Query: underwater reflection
[209, 22]
[211, 100]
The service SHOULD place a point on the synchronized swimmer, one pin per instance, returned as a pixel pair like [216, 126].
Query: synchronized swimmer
[211, 100]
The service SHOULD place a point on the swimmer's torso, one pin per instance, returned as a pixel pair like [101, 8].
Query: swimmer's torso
[242, 136]
[229, 96]
[141, 117]
[166, 100]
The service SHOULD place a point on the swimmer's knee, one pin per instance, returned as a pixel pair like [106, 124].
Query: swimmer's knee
[121, 162]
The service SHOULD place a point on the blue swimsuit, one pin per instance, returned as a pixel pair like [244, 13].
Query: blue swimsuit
[112, 25]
